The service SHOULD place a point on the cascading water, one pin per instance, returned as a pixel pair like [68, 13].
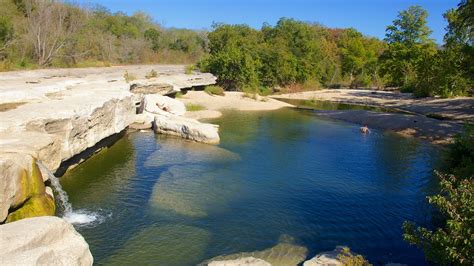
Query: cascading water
[79, 217]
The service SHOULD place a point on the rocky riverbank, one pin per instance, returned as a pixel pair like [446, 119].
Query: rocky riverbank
[51, 116]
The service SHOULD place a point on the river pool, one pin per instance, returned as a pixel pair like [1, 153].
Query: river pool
[281, 176]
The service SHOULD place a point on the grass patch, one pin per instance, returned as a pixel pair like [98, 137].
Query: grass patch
[179, 95]
[151, 74]
[194, 107]
[129, 77]
[214, 90]
[189, 69]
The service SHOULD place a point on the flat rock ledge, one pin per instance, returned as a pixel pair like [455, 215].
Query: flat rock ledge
[49, 117]
[44, 240]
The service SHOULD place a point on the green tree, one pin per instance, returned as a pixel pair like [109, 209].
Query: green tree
[6, 34]
[408, 41]
[451, 244]
[233, 56]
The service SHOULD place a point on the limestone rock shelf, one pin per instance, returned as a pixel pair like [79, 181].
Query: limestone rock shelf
[51, 116]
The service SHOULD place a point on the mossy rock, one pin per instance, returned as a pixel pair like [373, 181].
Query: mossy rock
[31, 183]
[37, 205]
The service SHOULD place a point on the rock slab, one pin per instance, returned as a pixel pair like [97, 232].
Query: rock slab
[186, 128]
[44, 240]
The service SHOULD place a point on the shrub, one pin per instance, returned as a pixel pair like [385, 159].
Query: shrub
[189, 69]
[214, 90]
[346, 257]
[129, 77]
[451, 244]
[460, 156]
[151, 74]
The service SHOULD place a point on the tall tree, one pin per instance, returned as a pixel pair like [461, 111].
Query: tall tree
[50, 26]
[408, 41]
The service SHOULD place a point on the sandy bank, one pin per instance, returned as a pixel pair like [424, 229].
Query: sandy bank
[435, 131]
[231, 101]
[459, 108]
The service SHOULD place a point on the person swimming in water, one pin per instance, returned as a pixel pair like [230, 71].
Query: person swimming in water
[365, 129]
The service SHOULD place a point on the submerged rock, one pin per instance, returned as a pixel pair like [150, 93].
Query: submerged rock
[338, 257]
[249, 261]
[283, 254]
[186, 128]
[191, 191]
[42, 241]
[173, 151]
[163, 245]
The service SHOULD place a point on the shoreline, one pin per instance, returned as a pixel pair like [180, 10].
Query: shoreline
[406, 123]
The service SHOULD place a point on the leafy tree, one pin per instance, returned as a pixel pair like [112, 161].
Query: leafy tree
[452, 244]
[153, 36]
[233, 57]
[6, 34]
[460, 156]
[408, 41]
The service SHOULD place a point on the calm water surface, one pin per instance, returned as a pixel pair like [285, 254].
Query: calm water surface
[283, 174]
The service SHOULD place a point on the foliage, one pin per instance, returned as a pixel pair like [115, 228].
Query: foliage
[460, 156]
[214, 90]
[408, 44]
[194, 107]
[129, 77]
[151, 74]
[189, 69]
[451, 244]
[292, 52]
[72, 35]
[347, 258]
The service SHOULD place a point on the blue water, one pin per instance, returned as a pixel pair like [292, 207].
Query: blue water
[166, 201]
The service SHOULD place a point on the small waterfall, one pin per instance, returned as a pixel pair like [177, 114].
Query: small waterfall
[74, 217]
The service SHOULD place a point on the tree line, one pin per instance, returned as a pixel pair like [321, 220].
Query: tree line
[45, 33]
[292, 54]
[295, 52]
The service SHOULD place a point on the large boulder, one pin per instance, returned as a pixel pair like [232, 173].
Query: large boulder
[186, 128]
[22, 188]
[45, 240]
[170, 83]
[158, 104]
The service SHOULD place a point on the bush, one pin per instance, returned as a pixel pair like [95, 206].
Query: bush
[129, 77]
[215, 90]
[460, 156]
[189, 69]
[452, 244]
[151, 74]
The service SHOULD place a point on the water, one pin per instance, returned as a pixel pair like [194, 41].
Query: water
[275, 175]
[79, 217]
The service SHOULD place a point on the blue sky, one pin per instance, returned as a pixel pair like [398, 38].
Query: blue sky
[368, 16]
